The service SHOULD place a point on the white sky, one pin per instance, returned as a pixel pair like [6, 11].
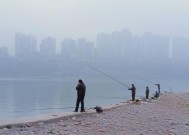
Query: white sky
[85, 18]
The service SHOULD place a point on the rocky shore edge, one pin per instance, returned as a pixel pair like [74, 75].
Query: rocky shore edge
[167, 115]
[52, 117]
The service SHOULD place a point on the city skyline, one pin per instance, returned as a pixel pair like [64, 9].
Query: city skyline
[121, 43]
[59, 41]
[75, 19]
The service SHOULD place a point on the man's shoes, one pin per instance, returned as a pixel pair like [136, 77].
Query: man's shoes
[75, 111]
[82, 111]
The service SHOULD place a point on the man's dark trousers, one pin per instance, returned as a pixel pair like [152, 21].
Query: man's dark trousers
[80, 98]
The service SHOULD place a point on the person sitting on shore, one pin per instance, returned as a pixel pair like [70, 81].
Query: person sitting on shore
[156, 95]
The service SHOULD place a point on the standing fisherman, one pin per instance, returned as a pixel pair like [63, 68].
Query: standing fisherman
[158, 85]
[147, 92]
[80, 95]
[133, 91]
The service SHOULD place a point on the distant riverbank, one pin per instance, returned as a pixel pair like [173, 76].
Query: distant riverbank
[167, 115]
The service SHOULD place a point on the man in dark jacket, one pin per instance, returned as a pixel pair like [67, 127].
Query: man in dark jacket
[133, 91]
[147, 92]
[80, 95]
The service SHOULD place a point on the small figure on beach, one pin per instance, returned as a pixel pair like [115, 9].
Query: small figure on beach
[81, 88]
[133, 92]
[158, 85]
[156, 95]
[147, 92]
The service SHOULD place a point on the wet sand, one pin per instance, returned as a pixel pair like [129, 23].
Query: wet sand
[168, 115]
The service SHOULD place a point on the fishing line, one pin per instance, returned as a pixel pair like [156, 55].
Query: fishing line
[107, 75]
[146, 80]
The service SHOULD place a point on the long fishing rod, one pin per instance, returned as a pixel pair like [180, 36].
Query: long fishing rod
[107, 75]
[147, 80]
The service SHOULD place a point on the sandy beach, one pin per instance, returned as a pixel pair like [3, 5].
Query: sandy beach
[168, 115]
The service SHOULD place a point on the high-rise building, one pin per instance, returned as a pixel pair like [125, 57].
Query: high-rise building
[155, 46]
[4, 52]
[135, 47]
[180, 48]
[25, 45]
[85, 49]
[68, 48]
[119, 44]
[48, 47]
[115, 45]
[104, 45]
[125, 44]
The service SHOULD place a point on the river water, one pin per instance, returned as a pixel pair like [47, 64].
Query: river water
[31, 97]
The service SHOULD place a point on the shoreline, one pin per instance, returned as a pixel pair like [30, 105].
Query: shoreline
[168, 115]
[52, 117]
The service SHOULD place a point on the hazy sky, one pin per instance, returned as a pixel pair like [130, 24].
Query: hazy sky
[85, 18]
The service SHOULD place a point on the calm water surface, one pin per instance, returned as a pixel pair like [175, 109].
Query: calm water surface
[30, 97]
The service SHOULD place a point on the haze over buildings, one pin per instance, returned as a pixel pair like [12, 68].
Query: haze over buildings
[121, 44]
[47, 48]
[41, 36]
[118, 48]
[75, 19]
[25, 45]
